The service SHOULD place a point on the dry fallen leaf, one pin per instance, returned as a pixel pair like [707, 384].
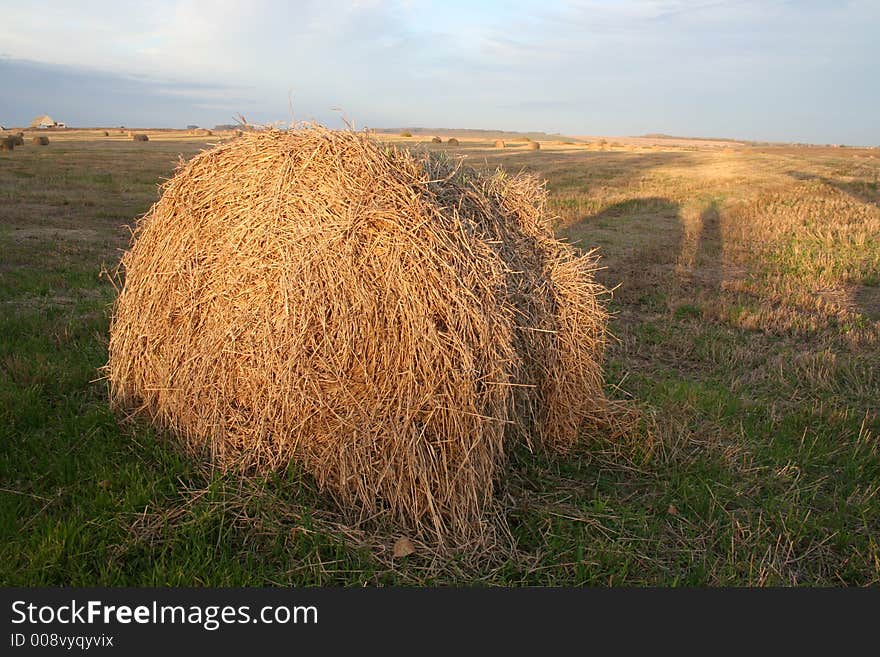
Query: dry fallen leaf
[403, 547]
[672, 510]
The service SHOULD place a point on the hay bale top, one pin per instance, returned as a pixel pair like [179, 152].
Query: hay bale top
[43, 119]
[436, 140]
[452, 141]
[41, 140]
[393, 322]
[140, 137]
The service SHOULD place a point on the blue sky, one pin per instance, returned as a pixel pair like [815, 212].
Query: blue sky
[801, 70]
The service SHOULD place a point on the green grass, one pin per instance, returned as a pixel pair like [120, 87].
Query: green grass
[763, 469]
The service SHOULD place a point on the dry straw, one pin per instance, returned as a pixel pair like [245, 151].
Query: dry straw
[140, 137]
[436, 140]
[393, 322]
[452, 141]
[41, 140]
[499, 144]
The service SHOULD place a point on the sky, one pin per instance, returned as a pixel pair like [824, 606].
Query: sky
[776, 70]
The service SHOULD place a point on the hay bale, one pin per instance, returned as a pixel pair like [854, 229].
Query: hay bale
[452, 141]
[18, 139]
[105, 134]
[436, 140]
[40, 140]
[7, 143]
[392, 322]
[139, 137]
[499, 144]
[405, 134]
[533, 146]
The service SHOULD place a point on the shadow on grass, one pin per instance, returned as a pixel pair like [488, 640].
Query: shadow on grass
[864, 191]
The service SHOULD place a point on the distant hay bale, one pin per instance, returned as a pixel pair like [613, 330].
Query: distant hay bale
[7, 144]
[436, 140]
[406, 134]
[533, 146]
[452, 141]
[41, 140]
[499, 144]
[392, 322]
[18, 139]
[105, 134]
[140, 137]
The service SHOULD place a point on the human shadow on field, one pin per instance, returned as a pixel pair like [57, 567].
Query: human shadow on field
[639, 241]
[581, 171]
[701, 260]
[658, 257]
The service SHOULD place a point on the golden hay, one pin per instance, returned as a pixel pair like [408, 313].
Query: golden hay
[105, 134]
[392, 322]
[533, 146]
[140, 137]
[499, 144]
[436, 140]
[452, 141]
[41, 140]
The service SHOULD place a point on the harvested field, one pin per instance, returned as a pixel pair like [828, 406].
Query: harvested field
[746, 320]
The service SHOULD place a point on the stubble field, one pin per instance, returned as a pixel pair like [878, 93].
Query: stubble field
[747, 323]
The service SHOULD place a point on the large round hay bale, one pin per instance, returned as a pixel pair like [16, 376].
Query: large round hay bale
[139, 137]
[452, 141]
[40, 140]
[392, 322]
[499, 144]
[105, 133]
[7, 143]
[18, 139]
[533, 146]
[436, 140]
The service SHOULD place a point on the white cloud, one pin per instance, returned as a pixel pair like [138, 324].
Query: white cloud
[630, 65]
